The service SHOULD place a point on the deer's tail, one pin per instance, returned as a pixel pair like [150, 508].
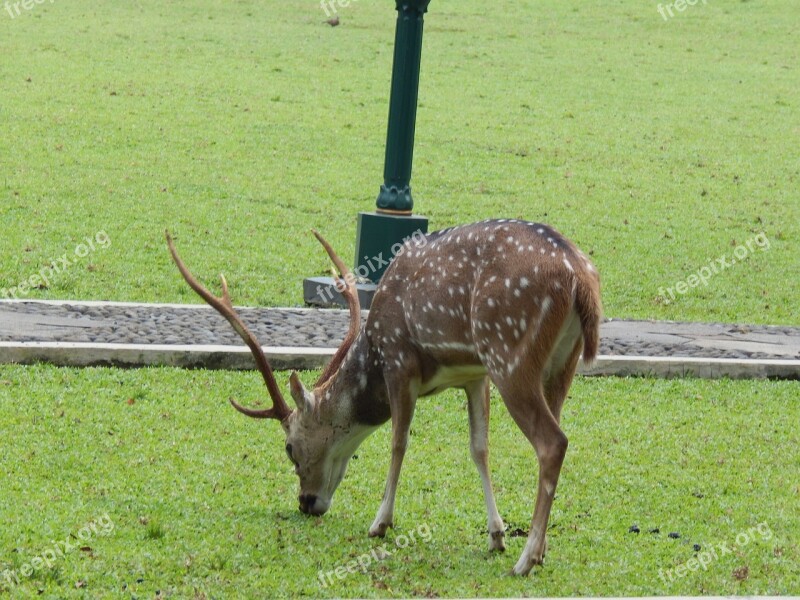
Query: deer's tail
[590, 311]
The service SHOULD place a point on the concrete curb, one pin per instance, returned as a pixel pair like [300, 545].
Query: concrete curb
[74, 354]
[77, 354]
[684, 366]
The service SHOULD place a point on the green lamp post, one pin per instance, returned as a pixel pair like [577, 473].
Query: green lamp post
[395, 194]
[392, 220]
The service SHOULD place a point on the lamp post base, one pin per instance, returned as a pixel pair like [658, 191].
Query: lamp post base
[379, 236]
[378, 239]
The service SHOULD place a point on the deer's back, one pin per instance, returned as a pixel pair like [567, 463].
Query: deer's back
[461, 292]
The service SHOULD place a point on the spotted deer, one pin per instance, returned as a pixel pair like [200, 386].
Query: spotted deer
[506, 301]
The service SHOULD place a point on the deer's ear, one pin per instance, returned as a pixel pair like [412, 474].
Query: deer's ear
[302, 397]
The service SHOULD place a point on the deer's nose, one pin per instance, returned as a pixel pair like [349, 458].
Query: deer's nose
[307, 502]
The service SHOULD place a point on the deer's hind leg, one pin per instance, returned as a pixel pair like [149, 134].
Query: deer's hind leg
[523, 392]
[478, 407]
[560, 372]
[529, 410]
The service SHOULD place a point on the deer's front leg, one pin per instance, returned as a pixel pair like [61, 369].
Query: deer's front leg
[402, 399]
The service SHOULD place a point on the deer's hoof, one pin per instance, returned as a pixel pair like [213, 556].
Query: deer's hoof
[525, 564]
[379, 529]
[520, 571]
[496, 541]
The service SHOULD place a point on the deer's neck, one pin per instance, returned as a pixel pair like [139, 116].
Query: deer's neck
[358, 389]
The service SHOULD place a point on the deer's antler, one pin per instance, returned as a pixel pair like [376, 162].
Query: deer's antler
[223, 306]
[350, 294]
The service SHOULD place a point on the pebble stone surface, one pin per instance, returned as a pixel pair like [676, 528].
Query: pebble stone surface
[324, 328]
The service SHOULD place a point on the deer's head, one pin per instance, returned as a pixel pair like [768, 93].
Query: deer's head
[317, 445]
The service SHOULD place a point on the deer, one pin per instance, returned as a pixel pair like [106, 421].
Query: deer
[506, 301]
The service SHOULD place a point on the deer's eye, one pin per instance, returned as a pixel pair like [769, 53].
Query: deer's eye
[289, 454]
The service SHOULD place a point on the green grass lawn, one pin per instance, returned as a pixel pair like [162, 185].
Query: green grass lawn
[659, 146]
[202, 501]
[656, 145]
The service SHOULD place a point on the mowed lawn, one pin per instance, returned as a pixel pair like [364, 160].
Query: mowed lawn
[196, 500]
[658, 146]
[661, 147]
